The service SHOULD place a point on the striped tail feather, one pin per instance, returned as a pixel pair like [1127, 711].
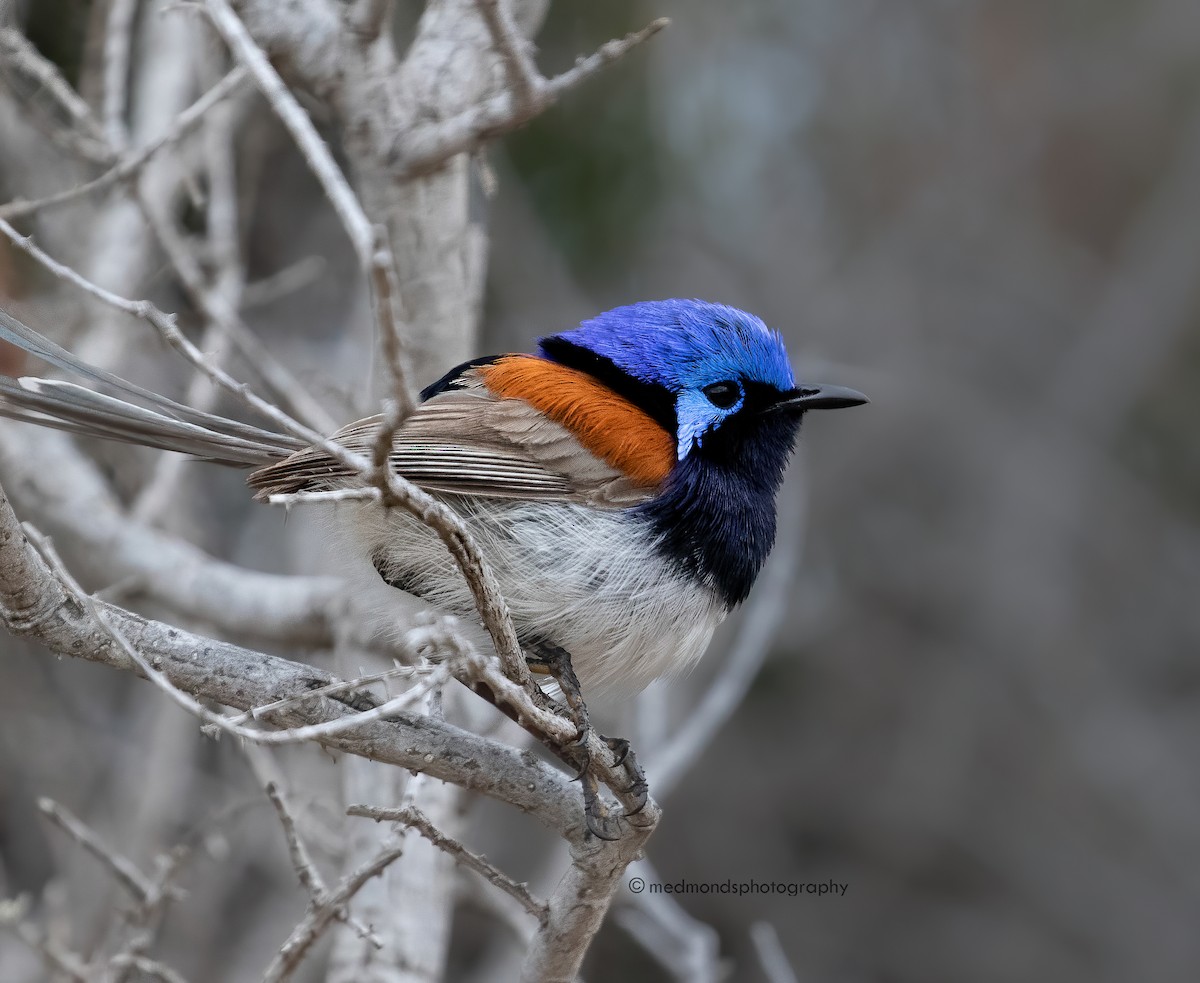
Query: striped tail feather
[132, 415]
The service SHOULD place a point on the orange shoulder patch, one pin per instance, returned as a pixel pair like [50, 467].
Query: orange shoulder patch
[614, 429]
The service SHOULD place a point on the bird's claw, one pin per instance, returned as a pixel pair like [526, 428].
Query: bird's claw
[581, 760]
[619, 747]
[638, 788]
[557, 662]
[599, 823]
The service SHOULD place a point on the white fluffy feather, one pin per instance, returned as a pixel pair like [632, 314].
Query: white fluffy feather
[580, 577]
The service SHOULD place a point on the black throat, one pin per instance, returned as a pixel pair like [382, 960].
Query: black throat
[715, 518]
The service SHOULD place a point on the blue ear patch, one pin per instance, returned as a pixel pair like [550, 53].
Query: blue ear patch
[697, 415]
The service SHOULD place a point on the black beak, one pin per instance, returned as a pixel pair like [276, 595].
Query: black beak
[818, 398]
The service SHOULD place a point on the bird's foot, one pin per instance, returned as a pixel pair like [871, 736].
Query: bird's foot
[624, 758]
[556, 661]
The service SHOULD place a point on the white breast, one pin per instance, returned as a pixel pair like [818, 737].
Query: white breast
[588, 580]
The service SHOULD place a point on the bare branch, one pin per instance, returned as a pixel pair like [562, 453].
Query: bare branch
[131, 164]
[524, 79]
[771, 957]
[222, 316]
[685, 947]
[321, 916]
[271, 779]
[370, 18]
[325, 497]
[118, 43]
[316, 153]
[331, 728]
[581, 899]
[292, 735]
[414, 819]
[306, 870]
[68, 495]
[71, 965]
[147, 967]
[389, 321]
[333, 689]
[145, 921]
[158, 499]
[34, 604]
[449, 527]
[285, 281]
[123, 869]
[428, 147]
[25, 58]
[369, 244]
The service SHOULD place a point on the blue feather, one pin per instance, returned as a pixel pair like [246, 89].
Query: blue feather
[678, 347]
[715, 517]
[686, 344]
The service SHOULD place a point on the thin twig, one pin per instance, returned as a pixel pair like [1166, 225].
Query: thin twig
[223, 222]
[157, 500]
[71, 965]
[685, 947]
[602, 57]
[282, 282]
[310, 877]
[118, 43]
[320, 917]
[389, 321]
[771, 957]
[447, 524]
[23, 56]
[330, 728]
[123, 869]
[324, 497]
[370, 244]
[332, 689]
[413, 818]
[428, 147]
[277, 378]
[315, 151]
[132, 163]
[35, 604]
[369, 18]
[147, 967]
[524, 79]
[144, 923]
[306, 870]
[291, 735]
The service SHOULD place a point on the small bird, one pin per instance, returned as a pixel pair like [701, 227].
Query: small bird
[620, 481]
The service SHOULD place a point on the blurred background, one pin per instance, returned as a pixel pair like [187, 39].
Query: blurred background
[981, 709]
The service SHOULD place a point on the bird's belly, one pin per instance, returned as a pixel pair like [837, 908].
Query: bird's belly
[586, 579]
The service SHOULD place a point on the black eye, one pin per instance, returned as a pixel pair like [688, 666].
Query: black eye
[723, 394]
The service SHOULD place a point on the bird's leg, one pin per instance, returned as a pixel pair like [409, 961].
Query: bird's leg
[599, 822]
[553, 659]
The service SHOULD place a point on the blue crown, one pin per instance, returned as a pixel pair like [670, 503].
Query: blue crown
[685, 344]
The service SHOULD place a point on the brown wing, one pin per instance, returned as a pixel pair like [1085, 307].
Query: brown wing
[466, 441]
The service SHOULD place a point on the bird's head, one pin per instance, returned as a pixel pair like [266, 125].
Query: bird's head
[711, 375]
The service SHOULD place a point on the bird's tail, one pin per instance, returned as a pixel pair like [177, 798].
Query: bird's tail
[119, 410]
